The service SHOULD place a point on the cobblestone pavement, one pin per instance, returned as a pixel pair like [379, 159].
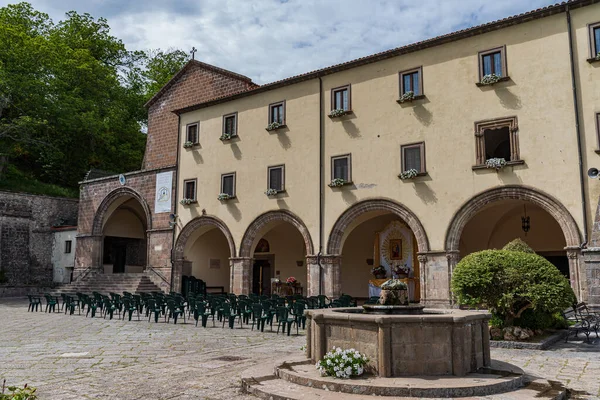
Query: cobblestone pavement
[73, 357]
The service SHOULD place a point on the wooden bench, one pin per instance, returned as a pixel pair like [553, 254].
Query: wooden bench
[581, 319]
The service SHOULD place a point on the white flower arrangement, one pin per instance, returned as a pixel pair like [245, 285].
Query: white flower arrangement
[409, 174]
[337, 182]
[408, 96]
[273, 125]
[496, 163]
[343, 364]
[223, 196]
[271, 192]
[188, 144]
[186, 201]
[490, 79]
[597, 58]
[227, 136]
[338, 112]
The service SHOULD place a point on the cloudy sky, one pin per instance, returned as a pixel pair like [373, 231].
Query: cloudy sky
[268, 40]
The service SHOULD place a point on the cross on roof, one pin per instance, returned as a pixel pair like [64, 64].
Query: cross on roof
[193, 52]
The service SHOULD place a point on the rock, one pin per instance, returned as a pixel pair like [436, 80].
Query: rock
[496, 333]
[524, 335]
[508, 333]
[539, 332]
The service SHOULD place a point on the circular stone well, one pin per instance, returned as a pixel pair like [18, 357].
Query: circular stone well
[434, 342]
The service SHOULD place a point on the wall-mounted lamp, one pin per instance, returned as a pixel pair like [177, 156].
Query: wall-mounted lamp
[593, 173]
[525, 220]
[172, 220]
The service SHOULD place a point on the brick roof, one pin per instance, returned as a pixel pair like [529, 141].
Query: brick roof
[436, 41]
[187, 66]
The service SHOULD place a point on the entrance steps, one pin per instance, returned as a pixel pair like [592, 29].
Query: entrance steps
[106, 283]
[299, 380]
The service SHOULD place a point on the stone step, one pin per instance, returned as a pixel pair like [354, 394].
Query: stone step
[262, 382]
[117, 283]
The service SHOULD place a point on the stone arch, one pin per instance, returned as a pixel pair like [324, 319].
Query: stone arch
[334, 245]
[262, 220]
[512, 192]
[196, 223]
[110, 198]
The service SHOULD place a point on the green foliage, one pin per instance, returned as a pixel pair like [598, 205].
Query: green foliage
[15, 180]
[72, 95]
[518, 245]
[510, 282]
[496, 322]
[16, 393]
[540, 320]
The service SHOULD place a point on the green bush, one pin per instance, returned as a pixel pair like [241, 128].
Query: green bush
[518, 245]
[510, 282]
[16, 393]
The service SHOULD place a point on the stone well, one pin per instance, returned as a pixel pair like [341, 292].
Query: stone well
[436, 342]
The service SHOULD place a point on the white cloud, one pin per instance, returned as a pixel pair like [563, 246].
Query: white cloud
[268, 40]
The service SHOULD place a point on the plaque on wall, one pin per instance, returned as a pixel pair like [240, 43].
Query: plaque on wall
[214, 263]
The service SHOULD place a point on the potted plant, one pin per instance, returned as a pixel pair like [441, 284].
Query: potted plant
[379, 272]
[274, 125]
[490, 79]
[188, 144]
[226, 136]
[343, 364]
[408, 96]
[394, 292]
[495, 163]
[338, 112]
[291, 281]
[186, 202]
[409, 174]
[400, 271]
[337, 182]
[223, 196]
[271, 192]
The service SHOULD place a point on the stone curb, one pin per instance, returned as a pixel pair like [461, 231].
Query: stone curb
[508, 384]
[543, 345]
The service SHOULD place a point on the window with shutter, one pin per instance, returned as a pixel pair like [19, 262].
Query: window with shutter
[340, 98]
[413, 157]
[277, 113]
[228, 184]
[192, 133]
[276, 178]
[341, 168]
[189, 189]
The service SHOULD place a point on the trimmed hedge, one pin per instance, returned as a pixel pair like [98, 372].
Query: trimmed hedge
[510, 282]
[518, 245]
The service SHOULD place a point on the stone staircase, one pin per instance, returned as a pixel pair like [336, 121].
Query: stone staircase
[106, 283]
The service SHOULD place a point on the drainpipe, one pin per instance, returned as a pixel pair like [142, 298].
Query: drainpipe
[578, 131]
[176, 199]
[321, 182]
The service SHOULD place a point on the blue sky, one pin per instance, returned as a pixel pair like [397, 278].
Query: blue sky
[268, 40]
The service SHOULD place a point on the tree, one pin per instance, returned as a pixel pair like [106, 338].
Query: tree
[72, 95]
[518, 245]
[510, 282]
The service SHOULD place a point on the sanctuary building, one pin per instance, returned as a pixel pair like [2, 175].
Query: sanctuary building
[410, 159]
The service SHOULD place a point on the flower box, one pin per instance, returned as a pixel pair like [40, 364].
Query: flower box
[495, 163]
[227, 136]
[273, 126]
[338, 182]
[409, 174]
[224, 197]
[186, 202]
[271, 192]
[338, 112]
[189, 145]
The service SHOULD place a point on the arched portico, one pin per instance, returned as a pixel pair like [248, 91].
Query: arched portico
[193, 239]
[290, 244]
[396, 224]
[525, 195]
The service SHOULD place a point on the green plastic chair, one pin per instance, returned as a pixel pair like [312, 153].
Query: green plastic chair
[174, 310]
[153, 308]
[258, 317]
[202, 312]
[51, 302]
[284, 319]
[34, 302]
[129, 307]
[226, 313]
[298, 313]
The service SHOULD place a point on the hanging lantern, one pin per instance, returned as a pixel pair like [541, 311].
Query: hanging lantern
[525, 221]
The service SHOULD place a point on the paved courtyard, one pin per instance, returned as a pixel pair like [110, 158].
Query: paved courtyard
[73, 357]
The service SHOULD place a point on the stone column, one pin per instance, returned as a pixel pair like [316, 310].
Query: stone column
[453, 258]
[573, 255]
[422, 277]
[241, 275]
[313, 276]
[591, 275]
[332, 282]
[88, 254]
[177, 275]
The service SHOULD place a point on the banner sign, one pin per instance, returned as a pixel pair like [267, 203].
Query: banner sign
[164, 189]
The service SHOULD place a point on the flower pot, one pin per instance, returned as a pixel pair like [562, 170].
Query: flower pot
[393, 297]
[380, 275]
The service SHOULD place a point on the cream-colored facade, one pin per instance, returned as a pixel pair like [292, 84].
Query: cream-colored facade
[453, 209]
